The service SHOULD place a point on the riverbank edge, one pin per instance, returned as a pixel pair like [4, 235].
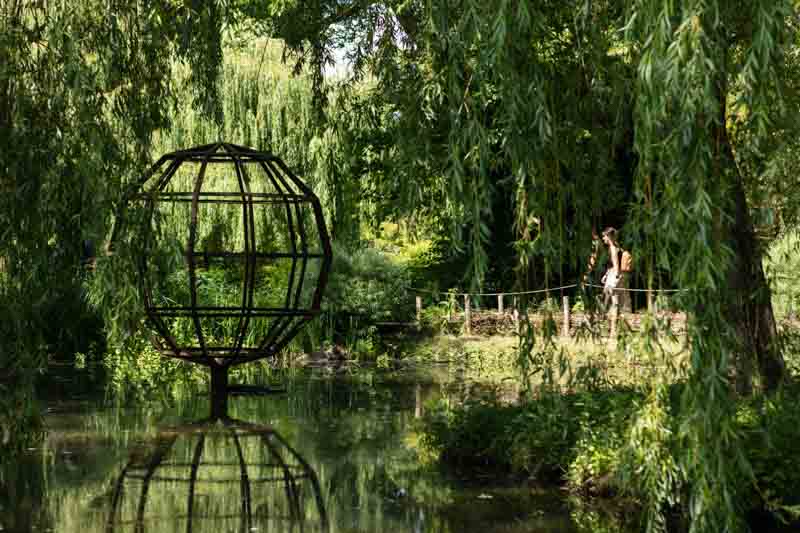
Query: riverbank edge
[590, 443]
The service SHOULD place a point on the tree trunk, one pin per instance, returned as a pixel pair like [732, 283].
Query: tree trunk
[748, 302]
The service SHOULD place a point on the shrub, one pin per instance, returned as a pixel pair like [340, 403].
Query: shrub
[436, 319]
[771, 428]
[135, 369]
[544, 437]
[368, 282]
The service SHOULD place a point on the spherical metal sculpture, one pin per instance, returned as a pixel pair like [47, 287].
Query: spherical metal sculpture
[233, 254]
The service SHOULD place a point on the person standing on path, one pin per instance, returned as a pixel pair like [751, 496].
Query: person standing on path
[612, 276]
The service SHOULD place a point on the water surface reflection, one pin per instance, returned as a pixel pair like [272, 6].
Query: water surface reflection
[223, 475]
[349, 449]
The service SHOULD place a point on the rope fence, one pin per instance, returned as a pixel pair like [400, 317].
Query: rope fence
[625, 289]
[613, 310]
[538, 291]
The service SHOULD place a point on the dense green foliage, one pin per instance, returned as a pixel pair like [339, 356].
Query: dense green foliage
[500, 131]
[538, 438]
[620, 441]
[82, 87]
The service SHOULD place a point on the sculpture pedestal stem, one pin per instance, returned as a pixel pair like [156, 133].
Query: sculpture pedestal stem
[219, 392]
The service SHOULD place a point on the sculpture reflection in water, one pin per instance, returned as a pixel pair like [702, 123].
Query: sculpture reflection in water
[218, 476]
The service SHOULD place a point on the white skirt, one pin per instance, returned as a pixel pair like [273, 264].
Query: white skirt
[612, 278]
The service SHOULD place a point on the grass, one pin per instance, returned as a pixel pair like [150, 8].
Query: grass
[626, 361]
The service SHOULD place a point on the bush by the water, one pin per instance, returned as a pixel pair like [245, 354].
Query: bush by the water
[538, 438]
[621, 442]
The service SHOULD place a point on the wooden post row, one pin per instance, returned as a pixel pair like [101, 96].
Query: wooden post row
[565, 325]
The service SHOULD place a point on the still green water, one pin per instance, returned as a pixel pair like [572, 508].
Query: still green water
[329, 454]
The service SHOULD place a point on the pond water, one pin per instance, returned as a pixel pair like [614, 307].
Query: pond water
[328, 454]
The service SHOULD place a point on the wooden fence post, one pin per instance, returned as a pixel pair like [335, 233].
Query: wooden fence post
[500, 303]
[516, 320]
[419, 309]
[565, 326]
[467, 315]
[614, 316]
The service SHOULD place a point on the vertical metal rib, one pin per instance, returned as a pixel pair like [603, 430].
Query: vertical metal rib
[278, 326]
[152, 466]
[304, 189]
[290, 485]
[198, 454]
[118, 489]
[312, 476]
[327, 253]
[119, 219]
[190, 253]
[144, 282]
[292, 237]
[142, 181]
[244, 484]
[164, 180]
[301, 225]
[253, 243]
[248, 287]
[275, 330]
[323, 232]
[290, 333]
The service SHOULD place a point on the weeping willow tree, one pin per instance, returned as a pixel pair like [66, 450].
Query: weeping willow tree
[667, 110]
[572, 112]
[698, 62]
[265, 106]
[580, 111]
[82, 87]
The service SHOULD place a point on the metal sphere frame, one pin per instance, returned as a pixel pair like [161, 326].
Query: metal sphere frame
[291, 194]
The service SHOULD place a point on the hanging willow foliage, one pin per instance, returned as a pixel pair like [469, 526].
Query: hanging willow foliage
[695, 59]
[81, 85]
[506, 99]
[546, 96]
[263, 106]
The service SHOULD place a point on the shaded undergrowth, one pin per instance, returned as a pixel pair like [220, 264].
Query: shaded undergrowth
[600, 435]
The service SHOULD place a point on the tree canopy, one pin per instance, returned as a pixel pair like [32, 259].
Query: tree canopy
[519, 126]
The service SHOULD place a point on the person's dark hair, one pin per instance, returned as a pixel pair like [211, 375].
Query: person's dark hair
[611, 233]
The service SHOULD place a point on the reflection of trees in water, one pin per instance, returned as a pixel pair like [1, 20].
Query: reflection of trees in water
[361, 433]
[372, 471]
[22, 493]
[217, 476]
